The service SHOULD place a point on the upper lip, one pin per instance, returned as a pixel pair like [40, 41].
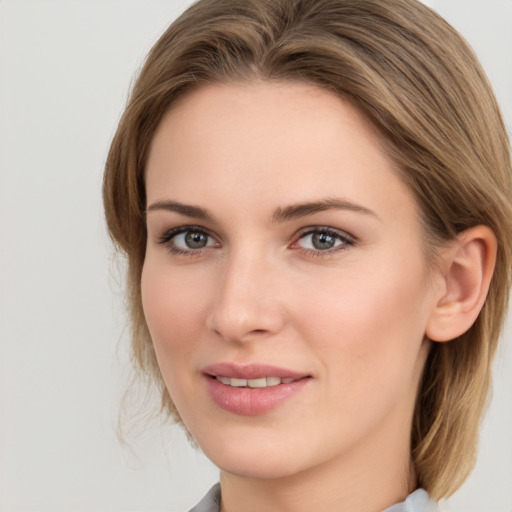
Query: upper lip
[251, 371]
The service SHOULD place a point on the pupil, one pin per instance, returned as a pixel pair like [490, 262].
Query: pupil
[323, 241]
[195, 240]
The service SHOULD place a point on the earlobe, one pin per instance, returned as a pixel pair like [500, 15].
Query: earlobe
[468, 265]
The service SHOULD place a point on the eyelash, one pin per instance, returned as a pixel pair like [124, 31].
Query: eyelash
[346, 241]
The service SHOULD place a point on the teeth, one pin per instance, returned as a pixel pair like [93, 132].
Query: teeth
[264, 382]
[273, 381]
[238, 383]
[257, 383]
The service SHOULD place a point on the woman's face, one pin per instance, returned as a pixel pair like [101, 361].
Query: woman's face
[284, 284]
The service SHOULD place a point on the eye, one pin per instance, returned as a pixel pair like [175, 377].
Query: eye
[187, 240]
[324, 240]
[191, 240]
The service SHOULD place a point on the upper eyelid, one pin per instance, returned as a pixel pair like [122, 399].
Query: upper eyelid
[316, 229]
[169, 233]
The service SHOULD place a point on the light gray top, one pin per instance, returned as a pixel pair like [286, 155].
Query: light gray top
[417, 501]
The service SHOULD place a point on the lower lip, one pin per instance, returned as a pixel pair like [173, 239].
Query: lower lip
[252, 401]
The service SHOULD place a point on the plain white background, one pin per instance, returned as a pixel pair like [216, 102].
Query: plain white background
[66, 66]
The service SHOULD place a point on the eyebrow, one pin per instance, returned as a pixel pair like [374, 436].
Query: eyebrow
[184, 209]
[294, 211]
[303, 209]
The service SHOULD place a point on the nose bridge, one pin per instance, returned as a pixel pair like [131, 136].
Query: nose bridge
[247, 302]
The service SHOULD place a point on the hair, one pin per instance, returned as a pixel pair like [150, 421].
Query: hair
[422, 87]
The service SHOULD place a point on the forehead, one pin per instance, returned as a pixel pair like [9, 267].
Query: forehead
[266, 110]
[285, 142]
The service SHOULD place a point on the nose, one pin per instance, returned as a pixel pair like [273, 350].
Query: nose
[249, 302]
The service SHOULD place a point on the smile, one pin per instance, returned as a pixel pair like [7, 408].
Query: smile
[253, 389]
[263, 382]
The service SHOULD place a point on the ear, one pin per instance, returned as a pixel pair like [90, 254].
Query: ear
[467, 268]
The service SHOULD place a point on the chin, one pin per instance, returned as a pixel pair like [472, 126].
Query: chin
[259, 459]
[262, 469]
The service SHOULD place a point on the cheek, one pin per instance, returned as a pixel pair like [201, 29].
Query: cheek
[369, 316]
[173, 306]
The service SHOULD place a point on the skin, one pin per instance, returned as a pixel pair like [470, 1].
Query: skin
[352, 317]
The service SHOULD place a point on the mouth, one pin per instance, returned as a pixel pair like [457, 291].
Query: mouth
[263, 382]
[253, 389]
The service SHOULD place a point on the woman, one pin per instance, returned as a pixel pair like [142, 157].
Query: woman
[314, 200]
